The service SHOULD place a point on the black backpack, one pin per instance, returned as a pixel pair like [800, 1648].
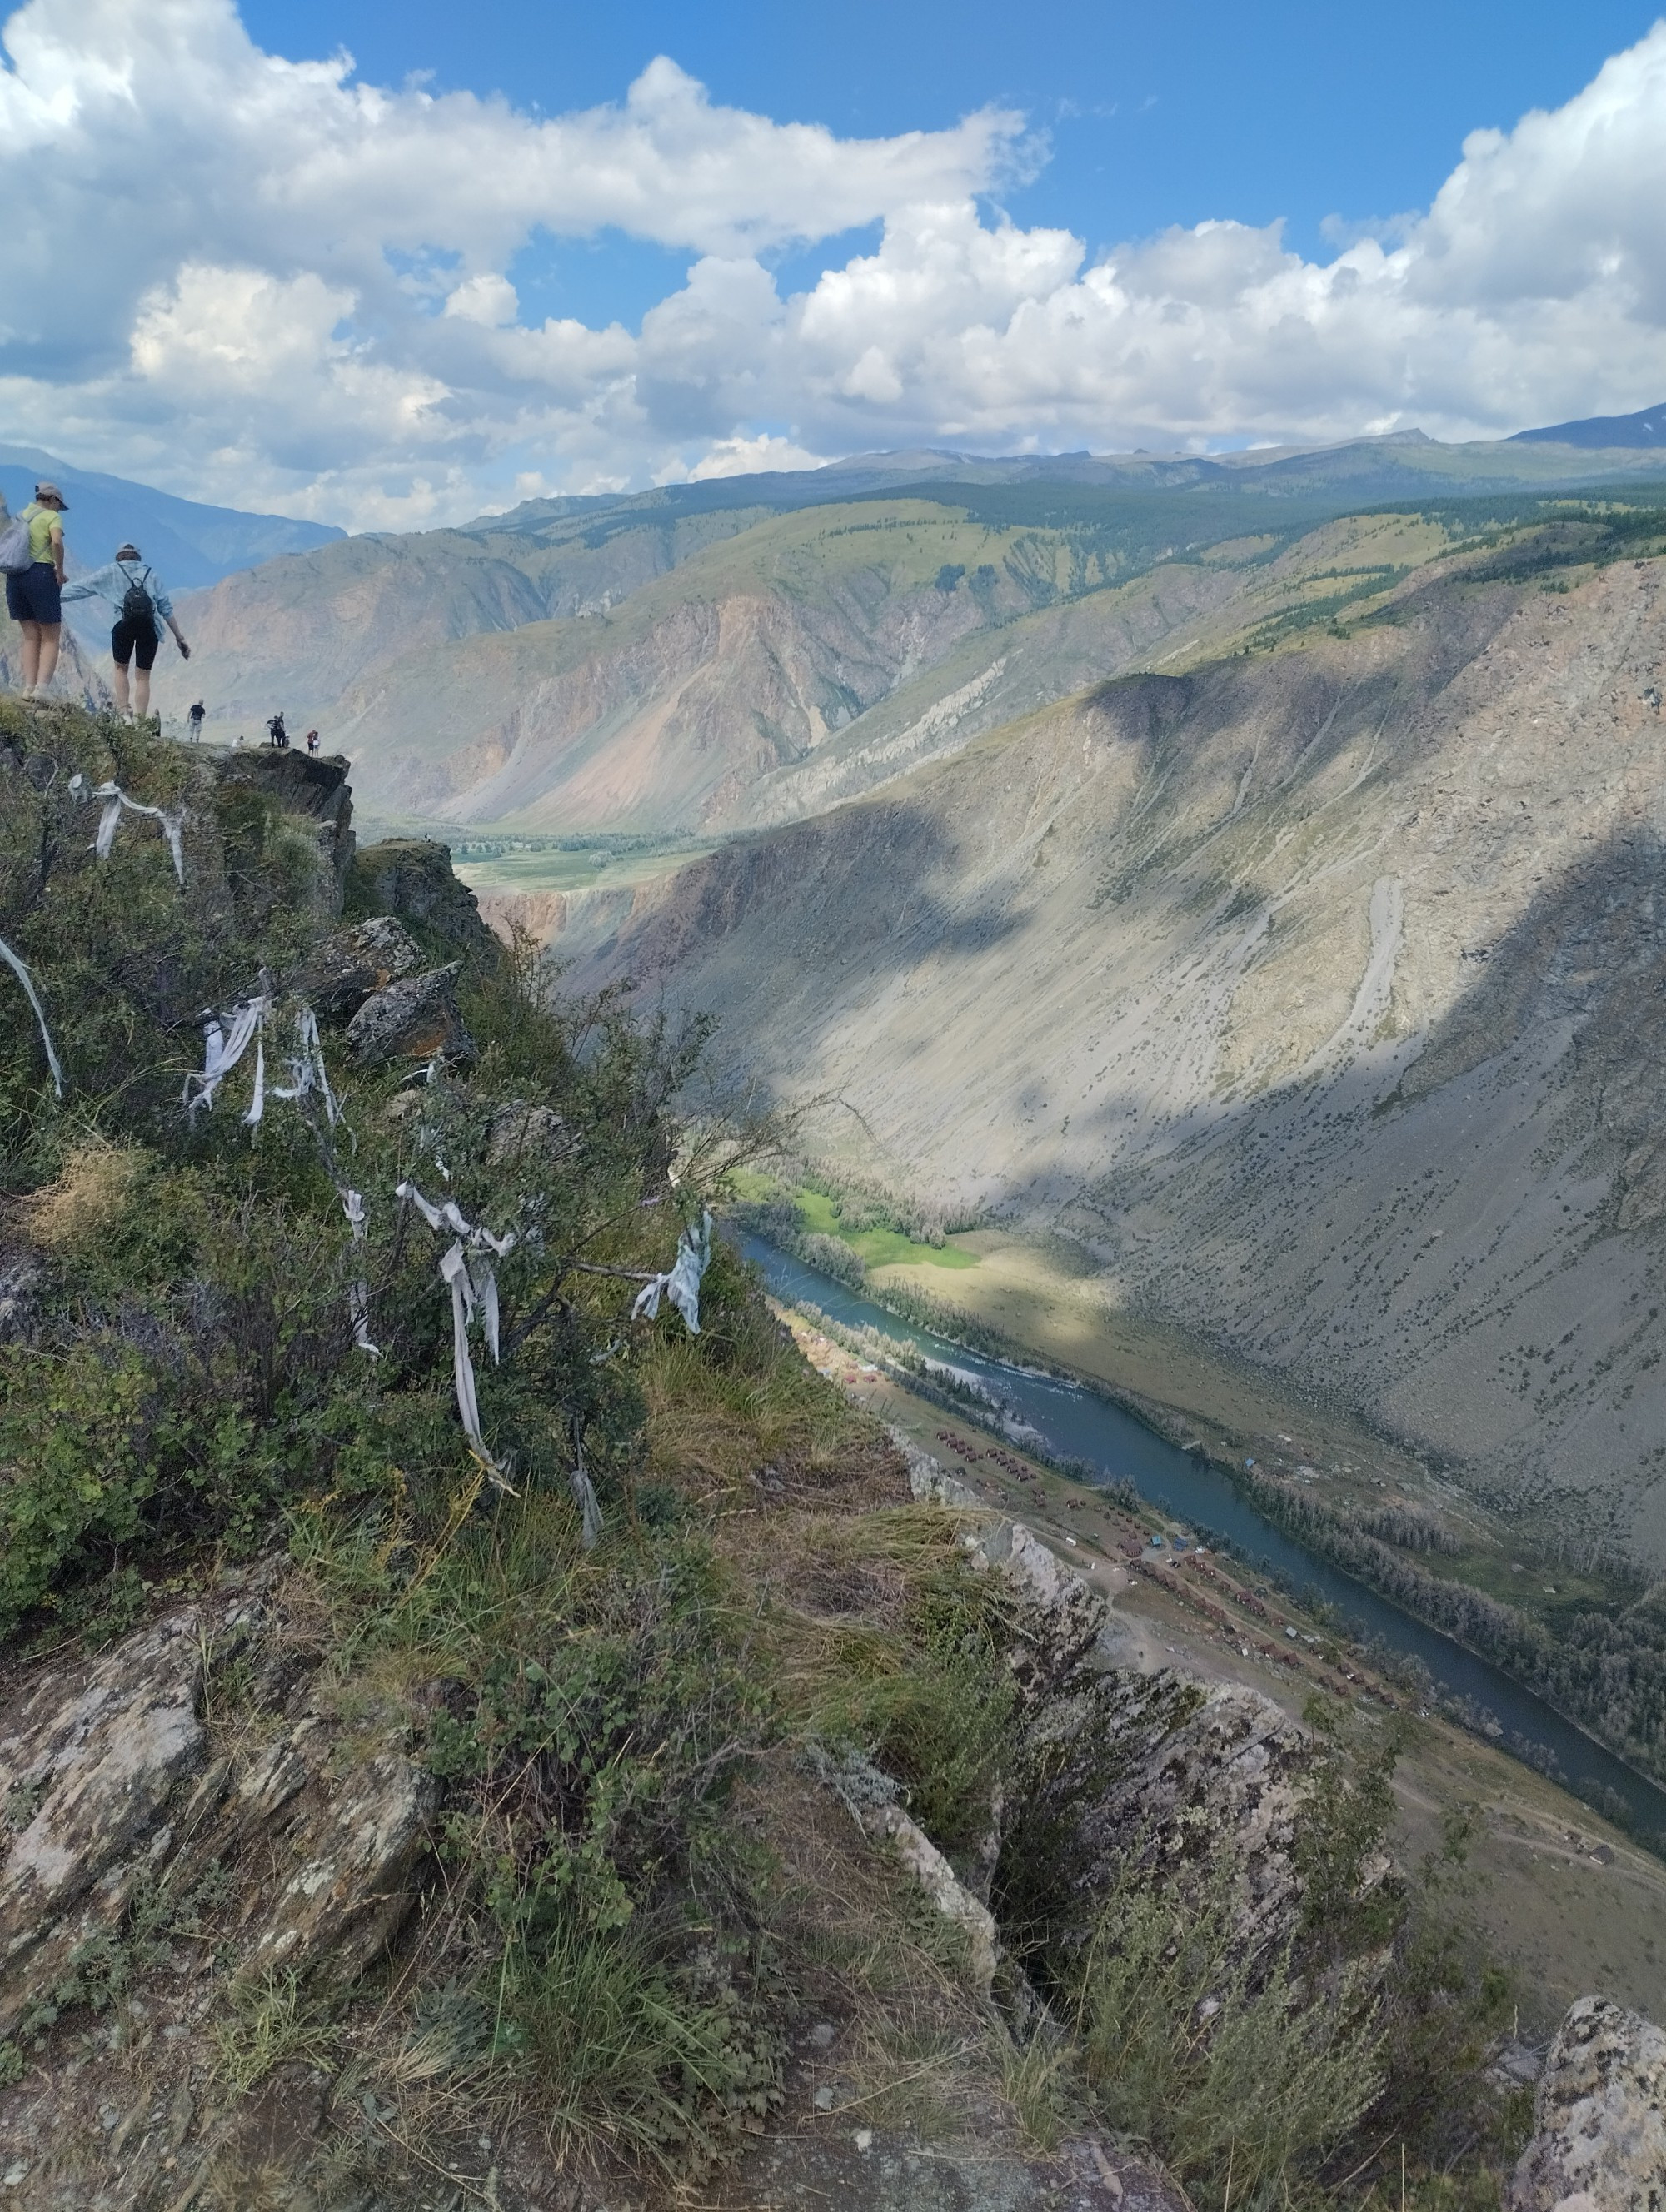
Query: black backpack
[136, 601]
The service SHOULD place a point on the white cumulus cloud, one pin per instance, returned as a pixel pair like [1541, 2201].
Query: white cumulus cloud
[265, 282]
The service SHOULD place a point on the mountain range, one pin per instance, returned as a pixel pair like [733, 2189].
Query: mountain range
[190, 544]
[703, 657]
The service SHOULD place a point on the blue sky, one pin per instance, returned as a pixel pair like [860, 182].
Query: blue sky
[524, 249]
[1155, 114]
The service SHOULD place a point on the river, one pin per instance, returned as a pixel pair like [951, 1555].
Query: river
[1074, 1421]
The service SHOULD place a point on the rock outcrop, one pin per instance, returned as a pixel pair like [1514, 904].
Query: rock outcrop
[340, 973]
[1599, 2117]
[292, 1843]
[412, 877]
[417, 1019]
[310, 787]
[1122, 1770]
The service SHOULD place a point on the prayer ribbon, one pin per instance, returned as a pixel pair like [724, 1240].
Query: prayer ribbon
[115, 800]
[466, 1270]
[681, 1282]
[34, 997]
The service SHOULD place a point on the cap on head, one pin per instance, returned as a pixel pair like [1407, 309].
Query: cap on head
[128, 551]
[51, 491]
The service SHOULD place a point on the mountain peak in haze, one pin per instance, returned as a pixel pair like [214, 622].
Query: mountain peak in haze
[191, 544]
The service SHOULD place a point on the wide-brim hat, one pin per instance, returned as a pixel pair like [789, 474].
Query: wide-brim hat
[51, 491]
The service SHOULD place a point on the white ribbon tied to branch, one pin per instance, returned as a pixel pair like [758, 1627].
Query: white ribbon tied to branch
[228, 1037]
[681, 1281]
[225, 1041]
[34, 997]
[116, 801]
[358, 1297]
[467, 1271]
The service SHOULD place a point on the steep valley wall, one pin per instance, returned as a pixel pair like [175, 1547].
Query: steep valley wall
[1319, 995]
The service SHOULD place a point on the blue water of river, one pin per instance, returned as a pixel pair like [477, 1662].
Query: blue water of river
[1075, 1422]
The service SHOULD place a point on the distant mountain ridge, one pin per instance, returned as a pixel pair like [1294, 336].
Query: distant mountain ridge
[191, 544]
[1604, 432]
[710, 656]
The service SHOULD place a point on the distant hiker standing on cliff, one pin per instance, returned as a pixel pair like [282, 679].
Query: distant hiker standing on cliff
[195, 719]
[276, 730]
[140, 599]
[35, 583]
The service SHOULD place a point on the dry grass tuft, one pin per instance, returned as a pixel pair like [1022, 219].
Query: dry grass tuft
[90, 1194]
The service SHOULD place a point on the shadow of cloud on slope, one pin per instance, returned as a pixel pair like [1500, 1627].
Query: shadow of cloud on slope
[865, 885]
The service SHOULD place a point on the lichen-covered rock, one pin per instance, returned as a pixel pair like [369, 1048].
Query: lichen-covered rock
[413, 878]
[351, 1842]
[21, 1276]
[89, 1758]
[415, 1018]
[341, 973]
[1599, 2117]
[1161, 1773]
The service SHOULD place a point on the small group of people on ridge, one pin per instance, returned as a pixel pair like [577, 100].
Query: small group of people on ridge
[36, 589]
[278, 736]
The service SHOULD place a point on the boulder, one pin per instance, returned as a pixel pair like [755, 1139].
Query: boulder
[1599, 2117]
[522, 1134]
[413, 878]
[341, 973]
[415, 1018]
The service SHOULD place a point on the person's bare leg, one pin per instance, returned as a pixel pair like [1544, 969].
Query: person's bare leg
[142, 692]
[49, 633]
[119, 681]
[31, 653]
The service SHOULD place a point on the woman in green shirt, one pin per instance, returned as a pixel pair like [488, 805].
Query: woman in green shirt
[32, 595]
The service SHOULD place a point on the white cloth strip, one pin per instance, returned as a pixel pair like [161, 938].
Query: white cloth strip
[358, 1297]
[473, 1286]
[116, 800]
[681, 1282]
[34, 997]
[224, 1045]
[306, 1068]
[589, 1506]
[257, 1104]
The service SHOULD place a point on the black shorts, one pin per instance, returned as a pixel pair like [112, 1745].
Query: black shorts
[134, 640]
[32, 595]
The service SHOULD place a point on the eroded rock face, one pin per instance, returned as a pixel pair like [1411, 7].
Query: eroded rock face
[415, 1018]
[344, 971]
[1599, 2141]
[308, 1833]
[1160, 1773]
[89, 1759]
